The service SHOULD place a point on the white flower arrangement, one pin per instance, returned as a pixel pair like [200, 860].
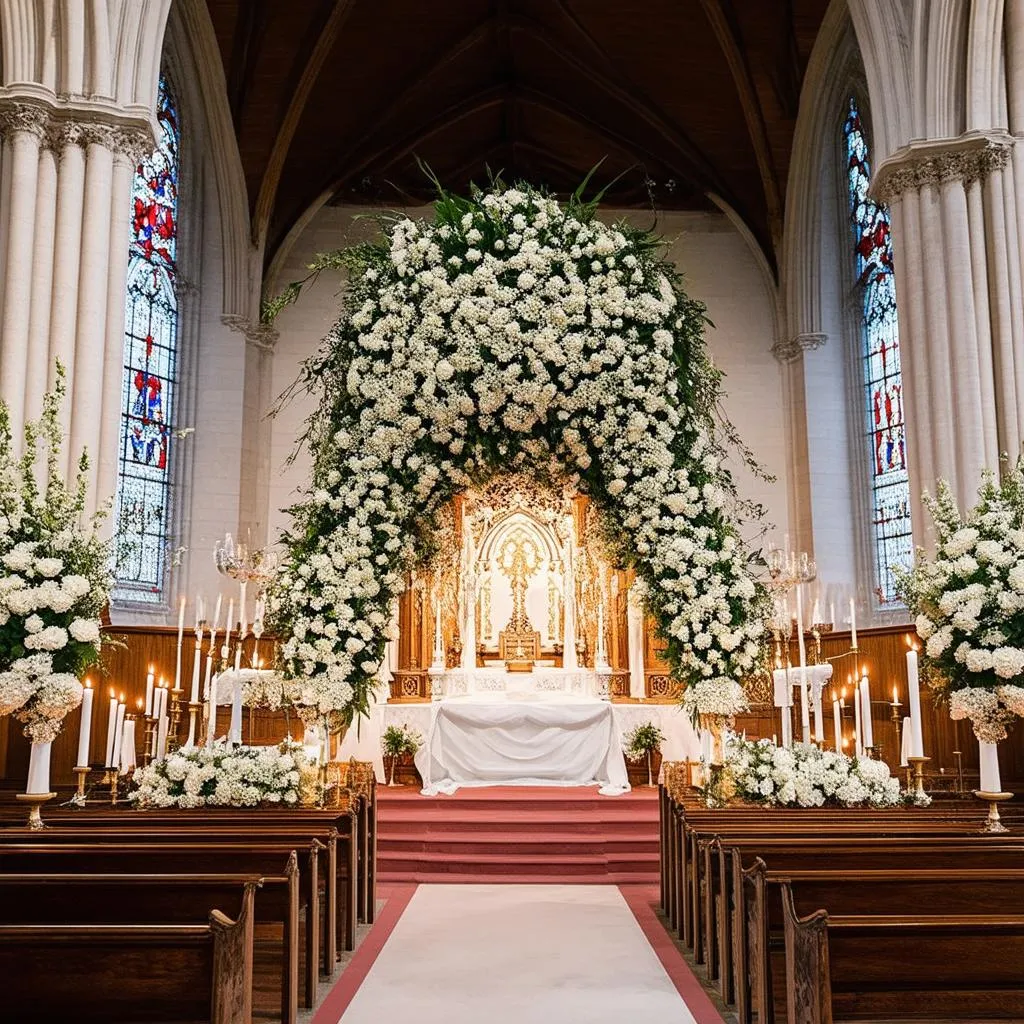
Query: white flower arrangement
[758, 771]
[54, 576]
[221, 777]
[512, 334]
[969, 602]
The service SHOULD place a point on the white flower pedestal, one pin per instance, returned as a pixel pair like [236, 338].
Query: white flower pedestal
[37, 791]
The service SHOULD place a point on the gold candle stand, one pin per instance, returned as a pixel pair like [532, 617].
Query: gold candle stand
[35, 803]
[993, 825]
[148, 736]
[193, 720]
[82, 773]
[172, 731]
[917, 764]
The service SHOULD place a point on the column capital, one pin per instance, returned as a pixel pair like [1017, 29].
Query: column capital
[23, 117]
[58, 124]
[262, 336]
[970, 157]
[790, 349]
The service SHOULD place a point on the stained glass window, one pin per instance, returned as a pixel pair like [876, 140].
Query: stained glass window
[149, 382]
[883, 381]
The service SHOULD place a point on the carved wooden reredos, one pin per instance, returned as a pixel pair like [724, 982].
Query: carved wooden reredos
[508, 559]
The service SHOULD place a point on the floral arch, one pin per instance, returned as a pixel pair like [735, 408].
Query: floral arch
[512, 333]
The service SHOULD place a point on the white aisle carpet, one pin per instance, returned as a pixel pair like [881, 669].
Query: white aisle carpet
[517, 954]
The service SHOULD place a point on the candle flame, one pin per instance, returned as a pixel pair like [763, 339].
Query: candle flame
[113, 692]
[911, 642]
[138, 703]
[122, 698]
[88, 684]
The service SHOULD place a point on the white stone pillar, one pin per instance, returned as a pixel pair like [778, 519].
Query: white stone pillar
[956, 292]
[86, 386]
[23, 127]
[37, 357]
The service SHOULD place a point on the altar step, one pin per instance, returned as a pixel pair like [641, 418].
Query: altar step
[514, 834]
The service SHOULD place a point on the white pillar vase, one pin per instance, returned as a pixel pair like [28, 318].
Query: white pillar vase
[37, 791]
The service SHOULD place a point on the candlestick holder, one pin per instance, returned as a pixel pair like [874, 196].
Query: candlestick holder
[148, 743]
[193, 718]
[35, 803]
[993, 825]
[172, 731]
[917, 764]
[82, 773]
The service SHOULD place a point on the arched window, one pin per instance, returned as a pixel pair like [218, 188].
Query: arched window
[149, 384]
[886, 446]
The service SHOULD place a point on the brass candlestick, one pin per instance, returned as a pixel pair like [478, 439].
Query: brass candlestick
[35, 802]
[172, 731]
[78, 800]
[193, 718]
[148, 742]
[917, 764]
[992, 823]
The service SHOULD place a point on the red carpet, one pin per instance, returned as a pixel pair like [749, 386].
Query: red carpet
[518, 834]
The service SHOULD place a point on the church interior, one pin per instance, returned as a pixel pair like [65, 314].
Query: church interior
[511, 509]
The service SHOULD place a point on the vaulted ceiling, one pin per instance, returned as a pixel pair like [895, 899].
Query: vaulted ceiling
[683, 100]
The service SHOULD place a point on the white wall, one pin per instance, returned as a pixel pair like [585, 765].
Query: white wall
[718, 268]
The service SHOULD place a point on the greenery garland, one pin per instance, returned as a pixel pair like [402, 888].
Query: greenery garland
[511, 334]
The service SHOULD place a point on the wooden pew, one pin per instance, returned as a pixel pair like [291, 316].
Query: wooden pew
[185, 857]
[903, 967]
[352, 864]
[104, 973]
[758, 912]
[164, 898]
[715, 904]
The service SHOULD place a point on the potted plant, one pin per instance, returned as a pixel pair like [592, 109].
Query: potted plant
[643, 744]
[397, 743]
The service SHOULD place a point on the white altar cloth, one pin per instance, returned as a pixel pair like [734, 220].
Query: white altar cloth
[499, 740]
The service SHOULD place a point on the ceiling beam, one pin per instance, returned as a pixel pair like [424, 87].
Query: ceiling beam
[321, 48]
[727, 34]
[249, 27]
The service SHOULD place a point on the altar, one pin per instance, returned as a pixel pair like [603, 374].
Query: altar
[542, 679]
[522, 739]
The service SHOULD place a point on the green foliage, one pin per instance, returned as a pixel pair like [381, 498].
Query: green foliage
[645, 739]
[400, 740]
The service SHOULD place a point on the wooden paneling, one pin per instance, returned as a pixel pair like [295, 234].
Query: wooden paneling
[125, 664]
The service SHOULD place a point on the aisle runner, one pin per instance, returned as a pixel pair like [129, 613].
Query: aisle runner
[517, 954]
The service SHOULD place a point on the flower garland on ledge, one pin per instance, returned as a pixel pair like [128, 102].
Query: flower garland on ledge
[513, 334]
[222, 777]
[969, 603]
[54, 576]
[758, 771]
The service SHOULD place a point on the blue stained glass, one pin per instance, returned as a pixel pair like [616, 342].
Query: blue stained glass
[883, 378]
[149, 381]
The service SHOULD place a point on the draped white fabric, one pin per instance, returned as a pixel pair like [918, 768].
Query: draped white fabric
[555, 742]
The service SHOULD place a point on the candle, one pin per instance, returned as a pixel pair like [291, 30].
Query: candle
[216, 614]
[837, 722]
[108, 757]
[199, 612]
[858, 736]
[235, 730]
[128, 746]
[989, 755]
[161, 741]
[853, 623]
[85, 727]
[865, 696]
[895, 696]
[775, 740]
[118, 727]
[816, 614]
[905, 744]
[181, 618]
[914, 700]
[211, 715]
[196, 666]
[832, 614]
[149, 691]
[209, 663]
[241, 610]
[805, 711]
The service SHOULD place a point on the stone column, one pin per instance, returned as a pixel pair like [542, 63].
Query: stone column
[959, 330]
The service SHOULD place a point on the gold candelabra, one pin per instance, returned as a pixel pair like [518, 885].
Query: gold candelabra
[917, 766]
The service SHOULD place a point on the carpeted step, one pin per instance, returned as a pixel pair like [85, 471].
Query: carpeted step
[518, 834]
